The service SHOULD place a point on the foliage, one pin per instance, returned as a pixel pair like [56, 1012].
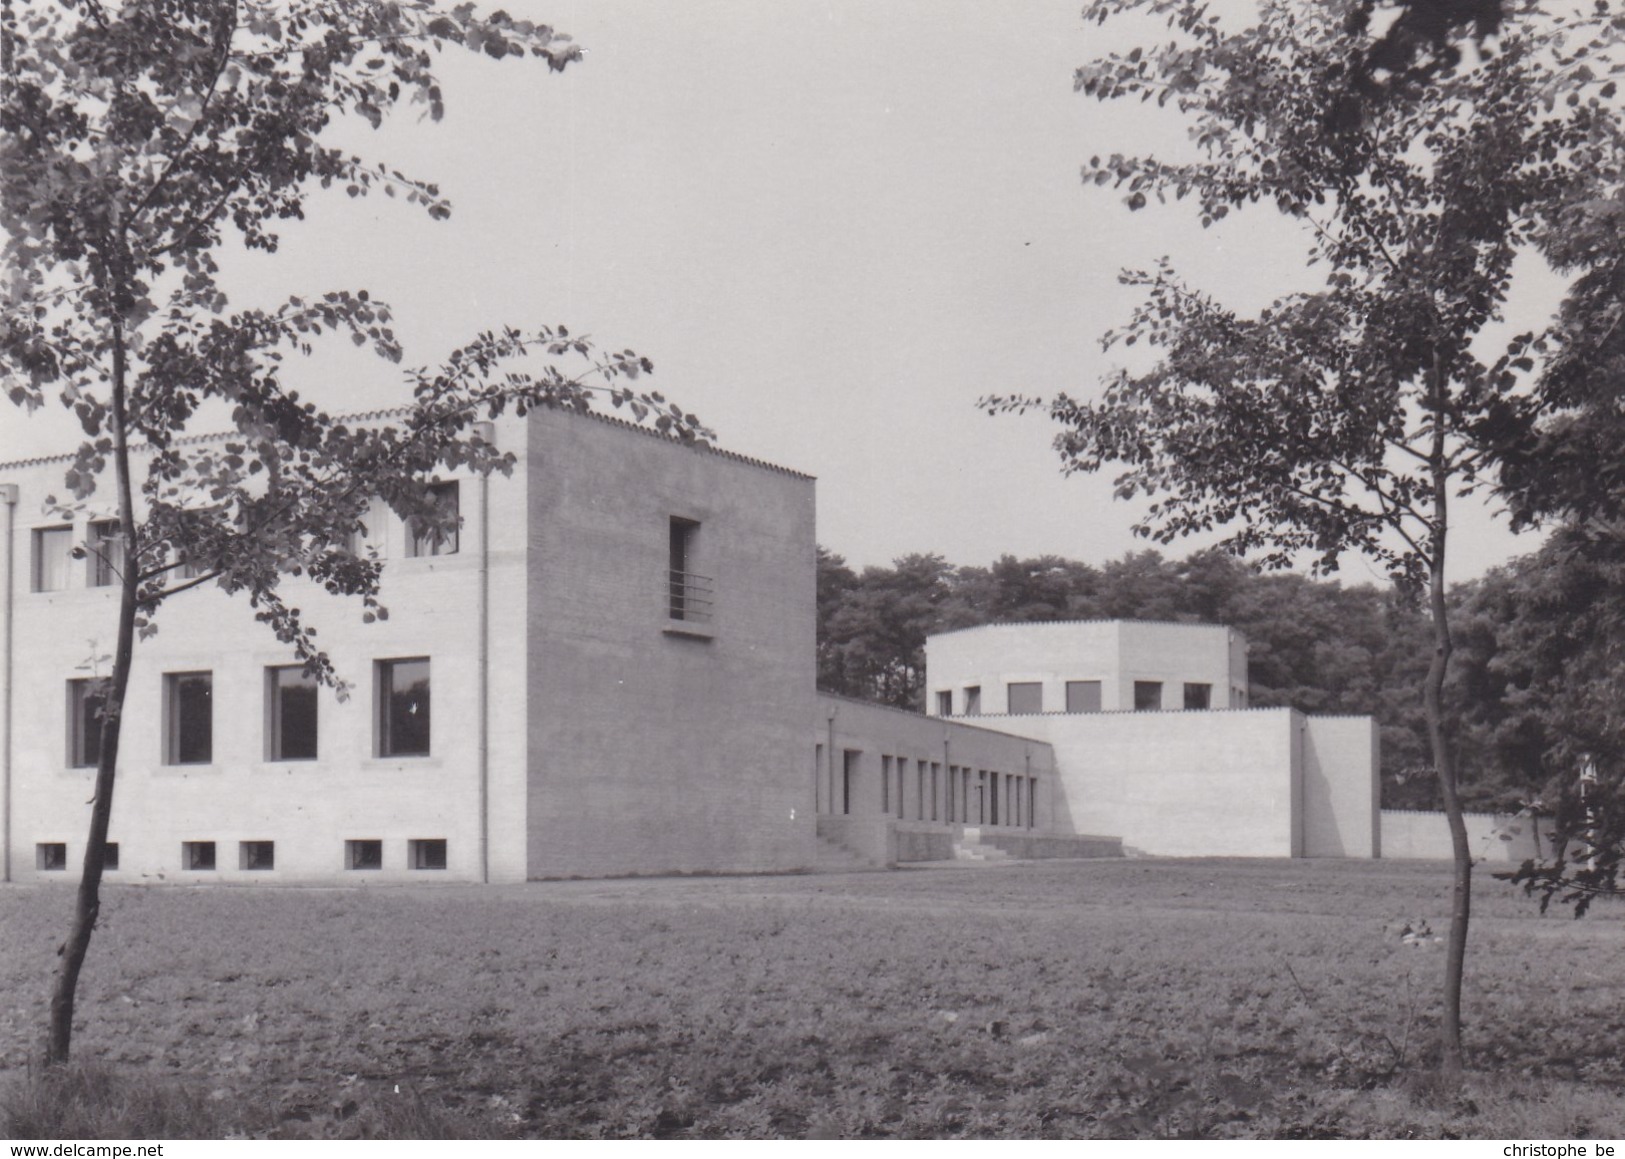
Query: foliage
[1257, 999]
[137, 139]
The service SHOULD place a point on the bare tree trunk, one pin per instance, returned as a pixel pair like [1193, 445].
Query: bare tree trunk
[87, 903]
[1451, 1062]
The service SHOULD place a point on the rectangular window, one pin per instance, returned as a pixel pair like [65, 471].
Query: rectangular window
[953, 778]
[425, 540]
[689, 593]
[993, 799]
[1147, 696]
[188, 718]
[110, 855]
[973, 701]
[885, 783]
[53, 552]
[105, 553]
[849, 778]
[426, 853]
[51, 856]
[1083, 696]
[197, 855]
[919, 790]
[1025, 699]
[84, 723]
[945, 704]
[256, 855]
[1032, 802]
[364, 854]
[403, 708]
[936, 770]
[291, 692]
[1198, 696]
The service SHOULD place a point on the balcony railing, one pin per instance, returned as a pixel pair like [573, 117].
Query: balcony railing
[690, 597]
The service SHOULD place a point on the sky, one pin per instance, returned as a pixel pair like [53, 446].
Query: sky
[833, 225]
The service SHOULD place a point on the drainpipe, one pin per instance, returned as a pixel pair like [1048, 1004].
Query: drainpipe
[8, 496]
[486, 431]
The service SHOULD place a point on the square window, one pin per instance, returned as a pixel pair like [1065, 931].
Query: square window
[1147, 696]
[188, 718]
[1083, 696]
[84, 723]
[945, 704]
[424, 540]
[973, 701]
[1025, 699]
[53, 553]
[256, 855]
[51, 856]
[403, 708]
[110, 855]
[426, 853]
[365, 854]
[1198, 696]
[197, 855]
[291, 696]
[104, 553]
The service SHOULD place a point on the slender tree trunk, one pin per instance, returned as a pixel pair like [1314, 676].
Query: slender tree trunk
[1451, 1062]
[87, 903]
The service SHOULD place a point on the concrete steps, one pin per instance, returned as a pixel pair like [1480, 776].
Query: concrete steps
[969, 847]
[830, 857]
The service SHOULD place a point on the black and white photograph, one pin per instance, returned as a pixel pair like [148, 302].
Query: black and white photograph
[877, 570]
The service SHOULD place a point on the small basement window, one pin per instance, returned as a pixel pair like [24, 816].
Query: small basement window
[364, 854]
[426, 853]
[256, 855]
[51, 856]
[197, 855]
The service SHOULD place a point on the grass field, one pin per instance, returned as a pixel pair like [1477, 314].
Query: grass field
[1137, 998]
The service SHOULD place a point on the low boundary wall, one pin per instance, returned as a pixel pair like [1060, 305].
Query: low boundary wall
[1499, 837]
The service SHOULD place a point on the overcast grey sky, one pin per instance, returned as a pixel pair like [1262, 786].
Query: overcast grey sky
[832, 224]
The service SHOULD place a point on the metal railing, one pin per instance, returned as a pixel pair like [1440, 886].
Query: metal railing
[689, 596]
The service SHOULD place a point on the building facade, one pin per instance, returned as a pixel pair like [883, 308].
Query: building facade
[609, 669]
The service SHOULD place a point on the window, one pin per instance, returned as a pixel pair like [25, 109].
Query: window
[51, 856]
[53, 549]
[292, 733]
[919, 790]
[973, 701]
[885, 783]
[1025, 699]
[422, 540]
[936, 770]
[1147, 695]
[104, 553]
[110, 855]
[365, 854]
[84, 723]
[403, 708]
[689, 592]
[256, 855]
[1198, 696]
[1083, 696]
[945, 704]
[197, 855]
[188, 718]
[426, 853]
[849, 777]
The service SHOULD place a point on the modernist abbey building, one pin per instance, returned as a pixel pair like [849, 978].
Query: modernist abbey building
[610, 670]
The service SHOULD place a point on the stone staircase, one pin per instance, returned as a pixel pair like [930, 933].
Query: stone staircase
[969, 847]
[832, 857]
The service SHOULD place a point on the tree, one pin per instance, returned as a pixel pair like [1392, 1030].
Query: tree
[1350, 417]
[137, 139]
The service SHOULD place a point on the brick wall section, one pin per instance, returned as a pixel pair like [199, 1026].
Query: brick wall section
[651, 751]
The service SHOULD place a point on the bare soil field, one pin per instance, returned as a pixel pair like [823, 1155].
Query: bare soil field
[1125, 999]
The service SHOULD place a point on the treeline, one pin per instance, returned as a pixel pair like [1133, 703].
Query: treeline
[1535, 683]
